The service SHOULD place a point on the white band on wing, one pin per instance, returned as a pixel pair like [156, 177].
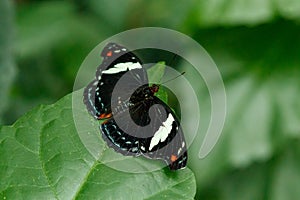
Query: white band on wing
[120, 67]
[162, 133]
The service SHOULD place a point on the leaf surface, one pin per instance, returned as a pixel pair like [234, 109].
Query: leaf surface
[56, 152]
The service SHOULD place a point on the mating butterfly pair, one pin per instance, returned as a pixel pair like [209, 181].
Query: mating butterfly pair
[136, 121]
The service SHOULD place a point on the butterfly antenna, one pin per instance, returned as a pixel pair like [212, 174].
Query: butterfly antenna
[173, 78]
[171, 63]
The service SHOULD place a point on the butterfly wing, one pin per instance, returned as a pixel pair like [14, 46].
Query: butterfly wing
[118, 139]
[167, 141]
[117, 61]
[147, 126]
[158, 135]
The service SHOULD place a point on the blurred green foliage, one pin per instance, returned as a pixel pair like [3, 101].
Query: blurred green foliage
[255, 44]
[7, 63]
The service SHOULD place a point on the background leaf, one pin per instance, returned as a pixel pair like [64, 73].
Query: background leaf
[286, 174]
[7, 65]
[261, 78]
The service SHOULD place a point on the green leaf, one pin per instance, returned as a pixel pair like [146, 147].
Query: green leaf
[287, 99]
[286, 175]
[239, 12]
[251, 142]
[156, 72]
[7, 66]
[251, 181]
[103, 10]
[235, 12]
[56, 152]
[290, 9]
[42, 25]
[45, 25]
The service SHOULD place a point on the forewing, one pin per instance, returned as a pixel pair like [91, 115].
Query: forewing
[117, 61]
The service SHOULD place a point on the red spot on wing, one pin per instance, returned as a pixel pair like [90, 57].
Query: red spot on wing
[105, 121]
[104, 116]
[109, 53]
[173, 158]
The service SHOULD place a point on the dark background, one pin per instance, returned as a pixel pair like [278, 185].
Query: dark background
[256, 45]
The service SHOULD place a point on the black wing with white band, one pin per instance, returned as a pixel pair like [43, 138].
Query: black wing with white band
[136, 121]
[117, 60]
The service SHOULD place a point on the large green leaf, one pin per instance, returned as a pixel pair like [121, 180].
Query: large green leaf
[46, 154]
[42, 157]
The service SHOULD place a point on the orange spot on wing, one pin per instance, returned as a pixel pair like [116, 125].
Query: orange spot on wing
[105, 122]
[109, 53]
[103, 116]
[173, 158]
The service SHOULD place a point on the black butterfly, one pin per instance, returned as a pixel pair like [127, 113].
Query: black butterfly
[136, 121]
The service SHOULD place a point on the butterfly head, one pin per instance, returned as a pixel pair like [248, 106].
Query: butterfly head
[148, 92]
[154, 88]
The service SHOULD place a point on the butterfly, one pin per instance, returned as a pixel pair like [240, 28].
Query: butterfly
[136, 122]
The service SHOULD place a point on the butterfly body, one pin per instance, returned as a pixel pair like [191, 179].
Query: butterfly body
[136, 121]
